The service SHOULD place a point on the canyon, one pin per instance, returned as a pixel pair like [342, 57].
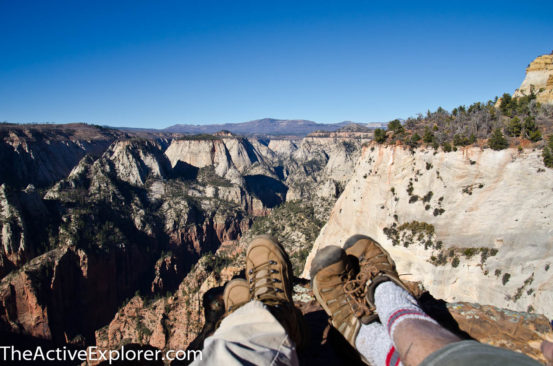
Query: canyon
[137, 217]
[115, 237]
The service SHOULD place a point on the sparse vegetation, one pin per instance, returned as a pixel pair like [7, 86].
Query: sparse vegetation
[216, 262]
[547, 153]
[414, 232]
[455, 262]
[505, 278]
[517, 118]
[497, 141]
[296, 224]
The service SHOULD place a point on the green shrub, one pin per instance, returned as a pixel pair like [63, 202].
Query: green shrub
[469, 252]
[531, 130]
[395, 126]
[380, 136]
[455, 262]
[497, 141]
[514, 128]
[461, 140]
[547, 153]
[427, 197]
[505, 278]
[428, 136]
[547, 157]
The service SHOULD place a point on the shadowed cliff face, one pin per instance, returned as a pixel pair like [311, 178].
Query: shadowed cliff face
[269, 190]
[135, 219]
[42, 154]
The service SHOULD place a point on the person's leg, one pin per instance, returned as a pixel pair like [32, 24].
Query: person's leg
[267, 329]
[547, 350]
[251, 335]
[330, 271]
[414, 333]
[418, 339]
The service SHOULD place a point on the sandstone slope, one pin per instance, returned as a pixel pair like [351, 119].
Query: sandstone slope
[473, 225]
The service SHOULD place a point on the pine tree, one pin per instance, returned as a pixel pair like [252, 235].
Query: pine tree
[428, 136]
[514, 128]
[497, 141]
[380, 136]
[531, 130]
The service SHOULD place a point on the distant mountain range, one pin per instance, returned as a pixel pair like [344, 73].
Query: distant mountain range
[270, 126]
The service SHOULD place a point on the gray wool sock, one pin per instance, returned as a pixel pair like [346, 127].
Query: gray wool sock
[376, 346]
[394, 305]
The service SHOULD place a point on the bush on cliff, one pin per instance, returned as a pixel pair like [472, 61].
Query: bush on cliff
[380, 135]
[497, 141]
[548, 153]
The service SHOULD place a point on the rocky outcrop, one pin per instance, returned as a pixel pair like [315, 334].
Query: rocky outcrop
[136, 160]
[539, 79]
[473, 225]
[320, 167]
[24, 222]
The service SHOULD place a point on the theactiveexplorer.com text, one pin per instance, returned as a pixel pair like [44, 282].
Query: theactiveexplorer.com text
[10, 353]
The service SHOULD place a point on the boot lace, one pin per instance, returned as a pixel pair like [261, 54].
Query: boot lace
[265, 281]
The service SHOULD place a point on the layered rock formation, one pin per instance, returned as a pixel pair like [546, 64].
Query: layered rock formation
[143, 212]
[539, 79]
[43, 154]
[473, 225]
[149, 225]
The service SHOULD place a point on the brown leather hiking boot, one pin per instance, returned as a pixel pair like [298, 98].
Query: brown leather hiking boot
[269, 274]
[333, 277]
[237, 293]
[375, 266]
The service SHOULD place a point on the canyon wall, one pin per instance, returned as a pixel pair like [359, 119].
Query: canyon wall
[472, 225]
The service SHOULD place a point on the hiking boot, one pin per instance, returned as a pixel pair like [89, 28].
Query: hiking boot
[333, 276]
[375, 266]
[237, 293]
[268, 271]
[269, 274]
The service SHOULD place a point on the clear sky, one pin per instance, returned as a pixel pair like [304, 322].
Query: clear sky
[157, 63]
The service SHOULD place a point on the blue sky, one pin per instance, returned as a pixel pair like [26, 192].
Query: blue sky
[157, 63]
